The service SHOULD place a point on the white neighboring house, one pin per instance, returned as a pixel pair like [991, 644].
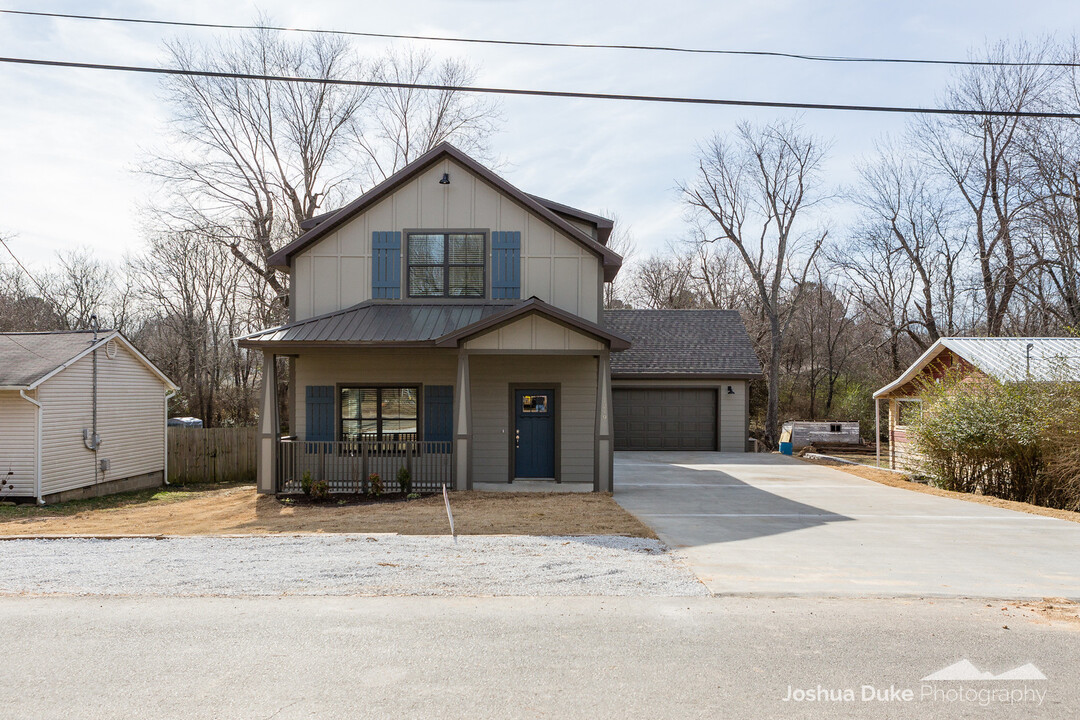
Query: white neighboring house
[79, 416]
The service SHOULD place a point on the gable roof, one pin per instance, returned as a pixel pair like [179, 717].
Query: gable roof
[535, 305]
[322, 225]
[30, 358]
[1004, 359]
[673, 343]
[395, 324]
[603, 225]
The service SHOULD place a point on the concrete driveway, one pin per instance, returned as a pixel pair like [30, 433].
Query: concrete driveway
[768, 524]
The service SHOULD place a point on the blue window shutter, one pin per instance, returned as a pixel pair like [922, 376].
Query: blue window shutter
[438, 413]
[320, 413]
[386, 265]
[506, 265]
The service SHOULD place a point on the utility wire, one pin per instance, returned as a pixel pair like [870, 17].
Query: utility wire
[528, 43]
[3, 241]
[541, 93]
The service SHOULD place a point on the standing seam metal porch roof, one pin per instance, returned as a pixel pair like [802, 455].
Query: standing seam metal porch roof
[396, 324]
[1004, 359]
[374, 323]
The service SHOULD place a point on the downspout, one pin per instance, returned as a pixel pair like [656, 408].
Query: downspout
[37, 450]
[165, 473]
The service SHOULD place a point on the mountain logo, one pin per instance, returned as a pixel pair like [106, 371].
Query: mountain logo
[964, 670]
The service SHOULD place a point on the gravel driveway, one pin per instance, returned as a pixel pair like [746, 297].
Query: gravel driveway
[345, 565]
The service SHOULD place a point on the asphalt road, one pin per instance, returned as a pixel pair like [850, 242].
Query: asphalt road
[412, 657]
[767, 524]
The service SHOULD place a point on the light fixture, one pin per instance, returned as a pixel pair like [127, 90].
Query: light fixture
[445, 179]
[730, 390]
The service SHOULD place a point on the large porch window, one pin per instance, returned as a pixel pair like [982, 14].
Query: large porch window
[446, 265]
[379, 413]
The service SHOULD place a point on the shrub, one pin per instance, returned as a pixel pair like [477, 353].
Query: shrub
[404, 478]
[1016, 440]
[375, 485]
[306, 482]
[413, 496]
[320, 490]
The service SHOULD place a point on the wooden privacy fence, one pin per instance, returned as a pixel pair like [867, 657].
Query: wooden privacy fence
[212, 454]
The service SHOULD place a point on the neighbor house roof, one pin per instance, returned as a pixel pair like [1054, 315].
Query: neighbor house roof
[672, 343]
[30, 358]
[395, 324]
[1005, 359]
[319, 227]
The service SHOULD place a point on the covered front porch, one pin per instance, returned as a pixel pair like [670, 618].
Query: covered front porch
[518, 403]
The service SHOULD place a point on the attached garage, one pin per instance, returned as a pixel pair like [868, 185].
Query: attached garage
[684, 382]
[664, 419]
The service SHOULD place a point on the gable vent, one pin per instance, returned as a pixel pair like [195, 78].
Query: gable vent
[110, 349]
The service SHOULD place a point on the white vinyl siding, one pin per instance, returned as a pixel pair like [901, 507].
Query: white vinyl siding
[335, 272]
[18, 444]
[131, 407]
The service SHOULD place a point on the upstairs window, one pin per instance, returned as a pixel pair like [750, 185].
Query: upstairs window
[446, 265]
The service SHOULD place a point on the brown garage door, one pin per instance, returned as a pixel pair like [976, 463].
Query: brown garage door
[669, 419]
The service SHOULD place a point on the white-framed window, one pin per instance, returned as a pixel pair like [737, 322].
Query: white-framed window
[908, 412]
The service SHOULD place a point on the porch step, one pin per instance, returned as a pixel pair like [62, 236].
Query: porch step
[533, 486]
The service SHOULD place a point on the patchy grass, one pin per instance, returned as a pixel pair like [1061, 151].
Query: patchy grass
[899, 480]
[137, 498]
[238, 509]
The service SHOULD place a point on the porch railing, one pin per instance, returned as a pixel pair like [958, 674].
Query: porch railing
[346, 466]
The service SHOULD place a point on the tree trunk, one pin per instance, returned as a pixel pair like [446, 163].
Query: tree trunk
[772, 415]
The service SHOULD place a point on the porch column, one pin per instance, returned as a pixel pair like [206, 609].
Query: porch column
[877, 430]
[268, 425]
[605, 452]
[462, 423]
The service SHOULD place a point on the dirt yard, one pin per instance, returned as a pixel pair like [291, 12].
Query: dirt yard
[894, 479]
[239, 510]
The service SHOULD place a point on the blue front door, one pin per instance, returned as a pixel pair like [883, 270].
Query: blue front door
[534, 433]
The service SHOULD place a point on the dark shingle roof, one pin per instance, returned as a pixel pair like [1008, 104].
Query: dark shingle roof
[682, 342]
[27, 357]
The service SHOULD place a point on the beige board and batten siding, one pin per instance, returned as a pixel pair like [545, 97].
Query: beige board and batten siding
[18, 444]
[734, 411]
[492, 376]
[335, 272]
[374, 366]
[131, 409]
[534, 333]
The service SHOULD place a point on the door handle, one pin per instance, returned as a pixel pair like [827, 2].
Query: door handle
[517, 438]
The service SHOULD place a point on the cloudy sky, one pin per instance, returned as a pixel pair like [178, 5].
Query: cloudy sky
[71, 140]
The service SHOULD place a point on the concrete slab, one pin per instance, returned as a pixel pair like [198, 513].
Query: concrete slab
[767, 524]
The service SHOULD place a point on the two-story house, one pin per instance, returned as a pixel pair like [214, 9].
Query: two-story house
[451, 324]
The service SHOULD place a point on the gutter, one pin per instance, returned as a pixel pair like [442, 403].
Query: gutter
[37, 450]
[165, 472]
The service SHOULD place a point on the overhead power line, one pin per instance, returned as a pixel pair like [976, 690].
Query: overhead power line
[542, 93]
[534, 43]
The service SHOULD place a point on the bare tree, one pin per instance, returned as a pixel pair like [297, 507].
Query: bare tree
[397, 124]
[663, 282]
[753, 191]
[621, 241]
[196, 301]
[981, 157]
[251, 159]
[907, 212]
